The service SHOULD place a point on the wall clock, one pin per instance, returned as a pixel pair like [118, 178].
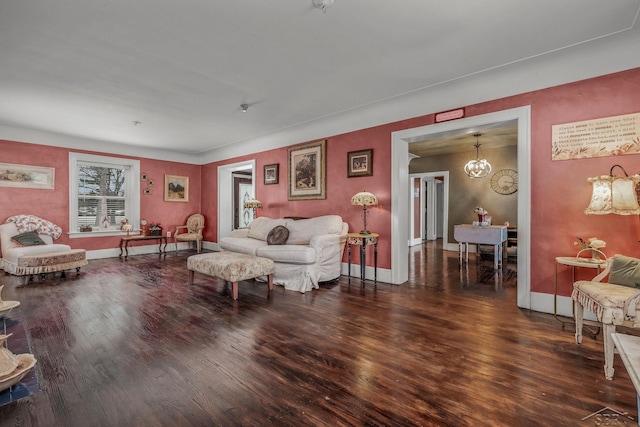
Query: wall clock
[505, 181]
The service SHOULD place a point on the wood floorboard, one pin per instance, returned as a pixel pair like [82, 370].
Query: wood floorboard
[130, 343]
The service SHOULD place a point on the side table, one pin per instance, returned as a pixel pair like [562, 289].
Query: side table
[363, 240]
[124, 242]
[572, 262]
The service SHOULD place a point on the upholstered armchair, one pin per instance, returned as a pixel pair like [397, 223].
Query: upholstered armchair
[192, 232]
[613, 303]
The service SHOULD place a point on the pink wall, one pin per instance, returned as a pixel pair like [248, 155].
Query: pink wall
[560, 192]
[53, 205]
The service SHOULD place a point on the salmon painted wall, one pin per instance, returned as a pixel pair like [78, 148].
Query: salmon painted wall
[53, 205]
[560, 191]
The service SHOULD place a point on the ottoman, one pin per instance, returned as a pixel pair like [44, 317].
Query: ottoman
[232, 267]
[51, 262]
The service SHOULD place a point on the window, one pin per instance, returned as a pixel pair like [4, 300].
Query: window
[103, 191]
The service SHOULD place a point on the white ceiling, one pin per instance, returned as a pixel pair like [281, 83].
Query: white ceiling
[91, 68]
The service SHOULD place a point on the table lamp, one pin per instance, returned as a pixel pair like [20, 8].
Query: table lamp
[364, 199]
[252, 204]
[613, 194]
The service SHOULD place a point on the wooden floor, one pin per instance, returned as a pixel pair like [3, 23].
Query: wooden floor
[130, 343]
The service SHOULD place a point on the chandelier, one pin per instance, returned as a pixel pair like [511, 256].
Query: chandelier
[322, 4]
[477, 168]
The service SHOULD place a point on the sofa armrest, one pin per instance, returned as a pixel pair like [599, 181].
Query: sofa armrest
[240, 232]
[327, 246]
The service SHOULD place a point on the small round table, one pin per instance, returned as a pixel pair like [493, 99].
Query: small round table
[572, 262]
[363, 240]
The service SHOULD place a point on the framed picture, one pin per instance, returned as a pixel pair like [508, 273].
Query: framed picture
[143, 176]
[307, 171]
[150, 183]
[25, 176]
[271, 174]
[176, 188]
[148, 191]
[360, 163]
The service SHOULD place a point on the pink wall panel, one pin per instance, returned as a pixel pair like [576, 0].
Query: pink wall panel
[53, 204]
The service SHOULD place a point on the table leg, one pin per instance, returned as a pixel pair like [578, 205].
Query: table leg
[121, 242]
[375, 263]
[460, 253]
[466, 252]
[126, 249]
[363, 262]
[348, 263]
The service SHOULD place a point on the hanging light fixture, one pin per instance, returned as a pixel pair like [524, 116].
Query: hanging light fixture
[322, 4]
[477, 168]
[614, 194]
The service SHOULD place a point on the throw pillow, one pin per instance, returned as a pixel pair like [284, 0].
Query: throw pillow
[625, 271]
[30, 238]
[278, 235]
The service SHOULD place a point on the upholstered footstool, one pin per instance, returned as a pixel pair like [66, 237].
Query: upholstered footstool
[231, 267]
[51, 262]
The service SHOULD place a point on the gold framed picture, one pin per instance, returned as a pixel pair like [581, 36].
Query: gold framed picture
[307, 171]
[360, 163]
[176, 188]
[25, 176]
[271, 174]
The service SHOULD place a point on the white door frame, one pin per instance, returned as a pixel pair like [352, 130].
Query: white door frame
[400, 196]
[432, 203]
[225, 194]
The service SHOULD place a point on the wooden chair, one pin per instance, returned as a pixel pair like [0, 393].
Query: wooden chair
[193, 233]
[614, 303]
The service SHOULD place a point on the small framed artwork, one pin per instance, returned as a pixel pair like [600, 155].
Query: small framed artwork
[307, 171]
[150, 183]
[26, 176]
[360, 163]
[143, 176]
[148, 191]
[176, 188]
[271, 174]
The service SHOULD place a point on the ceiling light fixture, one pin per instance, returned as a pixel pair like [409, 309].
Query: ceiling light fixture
[244, 107]
[322, 4]
[477, 168]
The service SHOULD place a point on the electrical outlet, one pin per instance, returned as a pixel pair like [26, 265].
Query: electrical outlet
[168, 234]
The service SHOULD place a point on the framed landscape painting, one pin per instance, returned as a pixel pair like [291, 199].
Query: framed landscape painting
[307, 171]
[176, 188]
[25, 176]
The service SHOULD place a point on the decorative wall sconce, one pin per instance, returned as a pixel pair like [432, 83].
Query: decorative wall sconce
[614, 194]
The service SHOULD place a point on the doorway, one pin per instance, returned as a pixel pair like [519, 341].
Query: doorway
[400, 197]
[226, 192]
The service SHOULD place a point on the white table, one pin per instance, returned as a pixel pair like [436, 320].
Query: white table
[572, 262]
[494, 235]
[629, 348]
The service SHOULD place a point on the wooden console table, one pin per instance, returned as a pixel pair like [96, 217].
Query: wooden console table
[494, 235]
[124, 242]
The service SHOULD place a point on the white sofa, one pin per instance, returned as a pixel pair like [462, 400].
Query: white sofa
[311, 254]
[39, 259]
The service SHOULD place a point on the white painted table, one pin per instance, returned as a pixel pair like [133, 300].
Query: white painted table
[494, 235]
[629, 348]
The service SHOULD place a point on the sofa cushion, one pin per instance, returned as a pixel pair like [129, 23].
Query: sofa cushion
[625, 271]
[241, 245]
[29, 238]
[301, 231]
[278, 235]
[289, 254]
[259, 228]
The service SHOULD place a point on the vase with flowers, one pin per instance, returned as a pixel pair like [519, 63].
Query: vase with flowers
[482, 215]
[594, 245]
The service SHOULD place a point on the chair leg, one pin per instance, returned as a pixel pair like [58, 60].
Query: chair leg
[578, 314]
[198, 245]
[607, 330]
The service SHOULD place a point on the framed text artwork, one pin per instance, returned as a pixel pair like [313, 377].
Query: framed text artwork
[307, 171]
[360, 163]
[271, 174]
[25, 176]
[176, 188]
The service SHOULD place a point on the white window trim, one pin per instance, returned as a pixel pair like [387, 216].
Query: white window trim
[133, 188]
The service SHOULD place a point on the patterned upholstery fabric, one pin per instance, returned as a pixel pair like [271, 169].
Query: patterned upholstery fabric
[230, 266]
[26, 223]
[610, 303]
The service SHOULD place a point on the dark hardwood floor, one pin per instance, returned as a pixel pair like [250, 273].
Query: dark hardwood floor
[130, 343]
